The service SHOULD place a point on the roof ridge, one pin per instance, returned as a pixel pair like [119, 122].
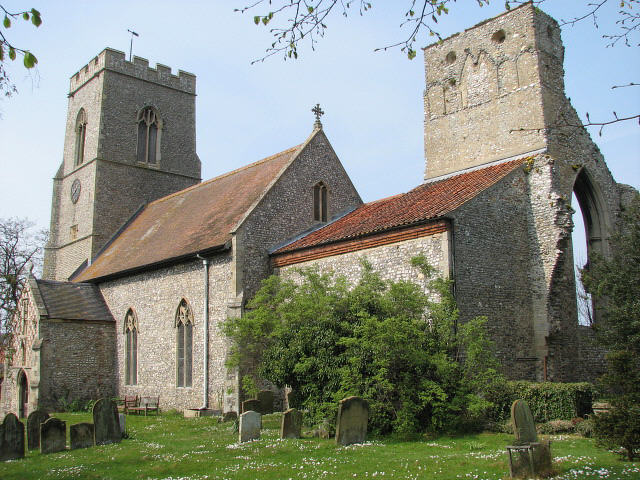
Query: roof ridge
[226, 174]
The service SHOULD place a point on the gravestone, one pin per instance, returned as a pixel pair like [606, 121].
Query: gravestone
[34, 420]
[291, 426]
[524, 427]
[528, 457]
[265, 399]
[251, 405]
[53, 436]
[105, 422]
[81, 435]
[249, 428]
[11, 438]
[351, 426]
[122, 421]
[229, 417]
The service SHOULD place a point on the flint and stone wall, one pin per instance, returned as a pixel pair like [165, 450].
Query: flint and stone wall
[154, 297]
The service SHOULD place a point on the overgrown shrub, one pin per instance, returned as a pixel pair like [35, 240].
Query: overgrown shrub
[585, 428]
[386, 341]
[554, 400]
[556, 426]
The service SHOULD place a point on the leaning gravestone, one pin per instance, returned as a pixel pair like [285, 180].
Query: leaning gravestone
[351, 426]
[53, 436]
[249, 428]
[528, 457]
[251, 405]
[11, 438]
[81, 435]
[105, 422]
[229, 417]
[265, 399]
[291, 426]
[34, 420]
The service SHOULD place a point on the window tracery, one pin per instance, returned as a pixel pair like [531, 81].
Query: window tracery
[81, 133]
[149, 130]
[184, 344]
[131, 348]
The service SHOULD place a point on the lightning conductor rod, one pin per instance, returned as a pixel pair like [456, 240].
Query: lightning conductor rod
[131, 44]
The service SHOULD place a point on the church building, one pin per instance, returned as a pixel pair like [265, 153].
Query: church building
[145, 261]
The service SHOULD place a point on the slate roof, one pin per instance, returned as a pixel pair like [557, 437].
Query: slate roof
[428, 201]
[73, 301]
[193, 220]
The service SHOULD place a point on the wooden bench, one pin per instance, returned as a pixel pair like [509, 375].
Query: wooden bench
[130, 401]
[147, 404]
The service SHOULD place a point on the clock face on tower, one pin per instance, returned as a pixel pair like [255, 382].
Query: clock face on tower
[75, 190]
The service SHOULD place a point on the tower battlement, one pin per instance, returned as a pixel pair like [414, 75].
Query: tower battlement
[115, 60]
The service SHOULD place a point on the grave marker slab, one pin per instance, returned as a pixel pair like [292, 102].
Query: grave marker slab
[265, 399]
[11, 438]
[105, 422]
[53, 436]
[351, 426]
[249, 429]
[251, 405]
[34, 420]
[291, 426]
[528, 457]
[81, 435]
[229, 417]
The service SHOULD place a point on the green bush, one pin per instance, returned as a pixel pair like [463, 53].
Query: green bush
[548, 400]
[556, 426]
[585, 428]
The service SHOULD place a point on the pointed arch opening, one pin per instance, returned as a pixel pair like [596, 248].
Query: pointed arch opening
[184, 344]
[589, 237]
[149, 133]
[23, 394]
[81, 133]
[131, 348]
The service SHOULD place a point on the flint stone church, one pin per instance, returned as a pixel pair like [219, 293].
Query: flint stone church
[145, 261]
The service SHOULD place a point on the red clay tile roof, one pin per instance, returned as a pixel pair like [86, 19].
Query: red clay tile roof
[427, 201]
[187, 222]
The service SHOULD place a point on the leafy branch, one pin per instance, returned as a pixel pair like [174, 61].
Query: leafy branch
[10, 51]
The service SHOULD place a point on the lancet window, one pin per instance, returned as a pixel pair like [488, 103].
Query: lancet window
[184, 344]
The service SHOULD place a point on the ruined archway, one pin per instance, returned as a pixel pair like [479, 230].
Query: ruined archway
[589, 237]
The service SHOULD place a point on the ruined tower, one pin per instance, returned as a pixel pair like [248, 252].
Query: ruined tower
[130, 139]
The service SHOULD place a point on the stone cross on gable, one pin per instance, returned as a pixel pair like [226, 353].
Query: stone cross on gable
[317, 111]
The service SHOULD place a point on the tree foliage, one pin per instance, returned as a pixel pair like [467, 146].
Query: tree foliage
[20, 249]
[10, 51]
[615, 284]
[388, 342]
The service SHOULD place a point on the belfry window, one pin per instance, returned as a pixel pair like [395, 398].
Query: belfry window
[149, 129]
[131, 348]
[320, 202]
[184, 344]
[81, 133]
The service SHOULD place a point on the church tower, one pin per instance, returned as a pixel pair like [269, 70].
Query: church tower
[130, 139]
[492, 90]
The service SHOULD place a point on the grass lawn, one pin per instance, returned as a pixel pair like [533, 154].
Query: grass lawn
[172, 447]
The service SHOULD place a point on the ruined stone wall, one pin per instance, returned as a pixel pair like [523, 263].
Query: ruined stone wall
[77, 362]
[485, 82]
[154, 297]
[287, 210]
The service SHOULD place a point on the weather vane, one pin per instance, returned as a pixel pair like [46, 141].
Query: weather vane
[131, 44]
[317, 111]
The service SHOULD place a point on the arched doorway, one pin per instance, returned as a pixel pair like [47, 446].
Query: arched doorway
[589, 236]
[23, 394]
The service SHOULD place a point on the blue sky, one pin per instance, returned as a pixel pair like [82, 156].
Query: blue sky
[373, 101]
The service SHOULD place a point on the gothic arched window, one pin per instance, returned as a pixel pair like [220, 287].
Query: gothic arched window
[320, 202]
[131, 349]
[81, 133]
[149, 129]
[184, 344]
